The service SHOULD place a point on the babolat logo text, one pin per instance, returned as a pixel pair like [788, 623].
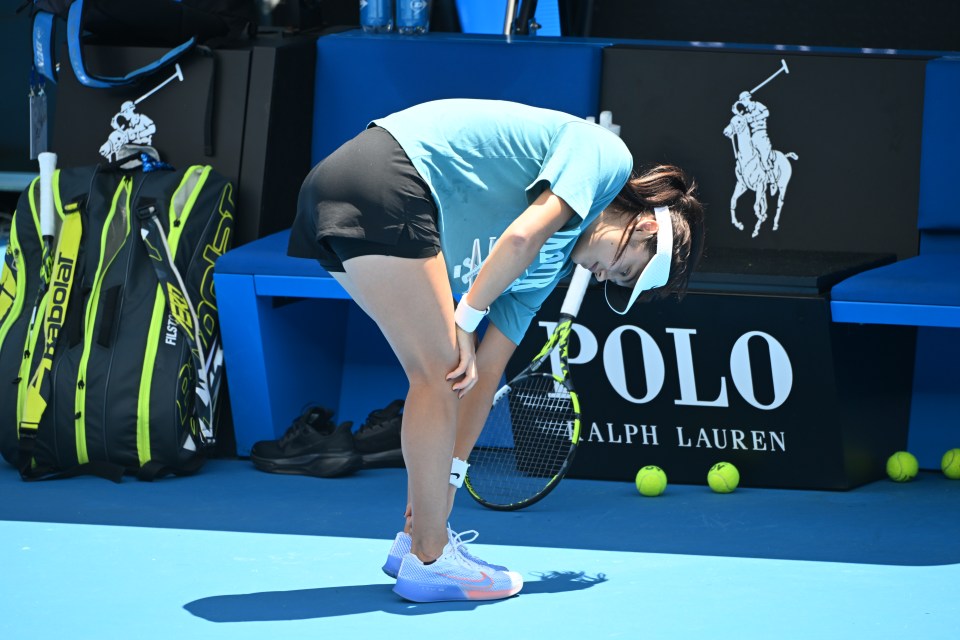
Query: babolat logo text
[171, 336]
[179, 308]
[58, 300]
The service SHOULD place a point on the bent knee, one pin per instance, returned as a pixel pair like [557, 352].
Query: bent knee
[430, 376]
[430, 367]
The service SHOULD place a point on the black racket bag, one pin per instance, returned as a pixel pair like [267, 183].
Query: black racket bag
[110, 356]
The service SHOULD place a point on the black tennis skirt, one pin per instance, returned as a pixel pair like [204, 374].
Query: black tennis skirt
[366, 198]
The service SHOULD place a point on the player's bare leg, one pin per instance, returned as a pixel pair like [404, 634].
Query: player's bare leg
[493, 354]
[411, 302]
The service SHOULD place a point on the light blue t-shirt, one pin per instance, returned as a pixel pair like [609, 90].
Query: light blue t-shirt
[485, 162]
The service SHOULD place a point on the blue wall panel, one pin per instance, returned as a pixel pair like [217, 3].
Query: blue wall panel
[364, 76]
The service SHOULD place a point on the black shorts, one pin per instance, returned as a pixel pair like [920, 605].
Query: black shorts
[366, 198]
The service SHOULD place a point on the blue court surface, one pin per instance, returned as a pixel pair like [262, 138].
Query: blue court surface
[236, 553]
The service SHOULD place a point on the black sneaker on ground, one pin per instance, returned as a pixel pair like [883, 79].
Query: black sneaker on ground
[312, 446]
[378, 439]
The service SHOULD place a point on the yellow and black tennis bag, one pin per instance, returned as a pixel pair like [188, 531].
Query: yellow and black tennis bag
[110, 356]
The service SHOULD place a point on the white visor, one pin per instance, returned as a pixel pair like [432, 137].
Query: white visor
[654, 275]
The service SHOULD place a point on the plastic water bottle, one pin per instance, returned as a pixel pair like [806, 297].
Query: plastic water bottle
[413, 16]
[606, 121]
[376, 16]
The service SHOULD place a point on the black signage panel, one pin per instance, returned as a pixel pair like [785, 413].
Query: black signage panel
[766, 382]
[839, 135]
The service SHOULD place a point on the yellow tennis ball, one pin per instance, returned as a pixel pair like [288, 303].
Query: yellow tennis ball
[902, 466]
[651, 481]
[950, 464]
[723, 477]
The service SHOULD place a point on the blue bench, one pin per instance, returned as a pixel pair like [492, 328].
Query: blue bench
[924, 290]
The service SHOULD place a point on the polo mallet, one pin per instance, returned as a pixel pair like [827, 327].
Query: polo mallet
[178, 75]
[783, 69]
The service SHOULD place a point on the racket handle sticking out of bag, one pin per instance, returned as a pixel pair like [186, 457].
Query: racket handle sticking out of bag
[533, 429]
[47, 162]
[48, 165]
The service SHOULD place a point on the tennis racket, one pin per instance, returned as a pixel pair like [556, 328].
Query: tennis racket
[532, 432]
[48, 165]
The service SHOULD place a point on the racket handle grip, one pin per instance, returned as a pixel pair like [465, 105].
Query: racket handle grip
[575, 292]
[48, 164]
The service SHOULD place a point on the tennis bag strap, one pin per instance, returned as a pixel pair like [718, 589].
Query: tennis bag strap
[176, 22]
[208, 365]
[44, 55]
[38, 390]
[58, 292]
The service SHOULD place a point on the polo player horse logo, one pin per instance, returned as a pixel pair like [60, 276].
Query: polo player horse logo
[758, 165]
[131, 127]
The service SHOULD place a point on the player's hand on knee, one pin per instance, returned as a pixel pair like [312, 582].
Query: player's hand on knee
[465, 375]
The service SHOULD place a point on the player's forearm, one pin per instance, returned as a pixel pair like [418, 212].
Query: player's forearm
[517, 247]
[509, 258]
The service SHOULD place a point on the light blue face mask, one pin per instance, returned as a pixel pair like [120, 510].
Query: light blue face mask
[657, 271]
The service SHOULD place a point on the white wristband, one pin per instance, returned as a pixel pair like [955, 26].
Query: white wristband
[458, 472]
[467, 318]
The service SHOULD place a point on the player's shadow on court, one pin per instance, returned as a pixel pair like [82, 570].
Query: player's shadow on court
[328, 602]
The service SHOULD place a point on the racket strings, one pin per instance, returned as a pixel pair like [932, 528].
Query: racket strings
[525, 442]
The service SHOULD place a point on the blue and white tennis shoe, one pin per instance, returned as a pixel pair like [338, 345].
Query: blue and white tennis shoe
[401, 547]
[453, 577]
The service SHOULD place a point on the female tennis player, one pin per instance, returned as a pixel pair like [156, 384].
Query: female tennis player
[493, 202]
